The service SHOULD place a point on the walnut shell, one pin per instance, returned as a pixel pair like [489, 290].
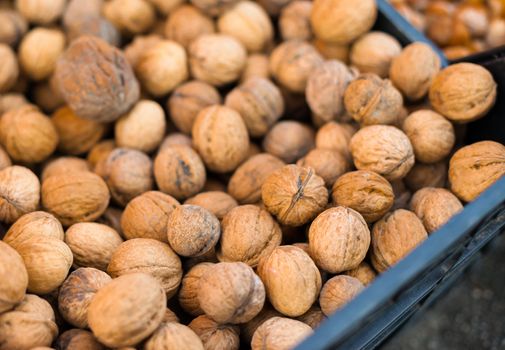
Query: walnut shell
[332, 51]
[214, 8]
[328, 164]
[279, 333]
[20, 193]
[99, 152]
[37, 224]
[383, 149]
[14, 276]
[78, 339]
[173, 336]
[127, 310]
[474, 168]
[463, 92]
[394, 236]
[292, 148]
[217, 202]
[76, 293]
[247, 329]
[368, 193]
[14, 26]
[256, 66]
[10, 69]
[5, 160]
[231, 293]
[151, 257]
[130, 16]
[314, 317]
[427, 175]
[338, 239]
[62, 165]
[188, 293]
[41, 11]
[140, 44]
[337, 292]
[186, 23]
[364, 273]
[335, 136]
[215, 336]
[176, 138]
[294, 20]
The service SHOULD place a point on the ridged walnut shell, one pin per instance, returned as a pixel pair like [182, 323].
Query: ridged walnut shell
[335, 136]
[294, 20]
[337, 292]
[328, 164]
[63, 165]
[37, 224]
[217, 202]
[364, 273]
[215, 336]
[186, 23]
[14, 276]
[188, 293]
[279, 333]
[289, 149]
[173, 336]
[19, 193]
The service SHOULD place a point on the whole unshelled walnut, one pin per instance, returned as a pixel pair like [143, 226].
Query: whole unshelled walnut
[394, 236]
[20, 190]
[463, 92]
[335, 136]
[14, 26]
[342, 21]
[96, 80]
[41, 12]
[427, 175]
[279, 333]
[10, 70]
[294, 20]
[127, 310]
[218, 203]
[139, 45]
[173, 335]
[367, 192]
[188, 293]
[337, 292]
[130, 16]
[77, 339]
[338, 239]
[37, 224]
[383, 149]
[231, 293]
[14, 276]
[313, 318]
[99, 152]
[364, 273]
[186, 23]
[474, 168]
[256, 66]
[327, 163]
[332, 51]
[216, 336]
[294, 194]
[292, 148]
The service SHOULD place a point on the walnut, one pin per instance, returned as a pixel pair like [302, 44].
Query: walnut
[46, 96]
[220, 137]
[37, 224]
[314, 317]
[130, 16]
[231, 293]
[41, 12]
[173, 336]
[332, 51]
[127, 310]
[342, 21]
[10, 68]
[328, 164]
[5, 160]
[427, 175]
[92, 244]
[99, 152]
[186, 23]
[12, 101]
[249, 234]
[166, 7]
[371, 100]
[394, 236]
[496, 34]
[217, 202]
[176, 138]
[402, 195]
[337, 292]
[292, 148]
[14, 276]
[256, 66]
[63, 165]
[247, 329]
[335, 136]
[13, 28]
[188, 293]
[179, 171]
[474, 168]
[279, 333]
[139, 45]
[20, 192]
[338, 239]
[216, 336]
[383, 149]
[76, 294]
[96, 80]
[214, 8]
[364, 273]
[78, 339]
[294, 20]
[75, 197]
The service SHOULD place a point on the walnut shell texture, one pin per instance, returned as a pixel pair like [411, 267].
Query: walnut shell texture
[294, 20]
[64, 165]
[337, 292]
[289, 140]
[335, 136]
[186, 23]
[279, 333]
[218, 203]
[314, 317]
[14, 276]
[215, 336]
[364, 273]
[328, 164]
[37, 224]
[174, 336]
[188, 293]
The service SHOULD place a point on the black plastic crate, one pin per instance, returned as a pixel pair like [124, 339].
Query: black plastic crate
[425, 274]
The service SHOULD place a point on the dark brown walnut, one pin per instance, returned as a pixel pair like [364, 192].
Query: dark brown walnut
[146, 216]
[294, 20]
[78, 339]
[75, 197]
[364, 273]
[314, 317]
[294, 194]
[394, 236]
[192, 230]
[76, 292]
[292, 148]
[335, 136]
[186, 23]
[62, 165]
[474, 168]
[280, 333]
[247, 329]
[37, 224]
[217, 202]
[174, 336]
[14, 26]
[245, 183]
[188, 293]
[179, 171]
[249, 233]
[99, 152]
[151, 257]
[368, 193]
[427, 175]
[96, 80]
[328, 164]
[92, 244]
[213, 8]
[14, 276]
[19, 193]
[337, 292]
[215, 336]
[231, 293]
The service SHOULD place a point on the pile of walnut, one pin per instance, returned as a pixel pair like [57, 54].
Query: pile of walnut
[174, 177]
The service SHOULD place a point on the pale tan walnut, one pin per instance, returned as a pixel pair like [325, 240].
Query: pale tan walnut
[279, 333]
[214, 8]
[367, 192]
[218, 203]
[12, 100]
[37, 224]
[10, 70]
[383, 149]
[148, 256]
[62, 165]
[188, 293]
[339, 239]
[256, 66]
[220, 137]
[27, 135]
[463, 92]
[92, 244]
[14, 276]
[19, 192]
[186, 23]
[139, 45]
[176, 138]
[217, 59]
[76, 293]
[394, 236]
[337, 292]
[314, 317]
[496, 34]
[342, 21]
[78, 339]
[192, 230]
[174, 336]
[166, 7]
[294, 20]
[179, 171]
[474, 168]
[370, 100]
[249, 23]
[30, 324]
[188, 100]
[249, 234]
[146, 216]
[325, 90]
[335, 136]
[427, 175]
[14, 26]
[99, 152]
[332, 51]
[292, 62]
[127, 310]
[289, 140]
[41, 11]
[328, 164]
[130, 16]
[292, 280]
[75, 197]
[294, 194]
[435, 207]
[231, 293]
[364, 273]
[215, 336]
[259, 102]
